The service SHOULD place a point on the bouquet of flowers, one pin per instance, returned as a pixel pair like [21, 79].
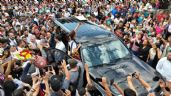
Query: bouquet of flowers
[23, 55]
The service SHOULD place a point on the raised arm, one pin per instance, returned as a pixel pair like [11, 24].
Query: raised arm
[163, 88]
[35, 87]
[8, 70]
[143, 82]
[76, 28]
[46, 78]
[159, 53]
[87, 74]
[105, 85]
[130, 84]
[67, 74]
[119, 89]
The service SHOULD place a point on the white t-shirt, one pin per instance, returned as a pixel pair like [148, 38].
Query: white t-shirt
[60, 45]
[169, 28]
[163, 67]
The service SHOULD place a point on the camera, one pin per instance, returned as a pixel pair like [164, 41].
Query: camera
[133, 74]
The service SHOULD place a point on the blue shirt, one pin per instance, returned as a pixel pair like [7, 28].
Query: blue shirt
[114, 11]
[140, 19]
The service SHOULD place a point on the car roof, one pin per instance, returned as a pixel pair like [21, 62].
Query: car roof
[86, 32]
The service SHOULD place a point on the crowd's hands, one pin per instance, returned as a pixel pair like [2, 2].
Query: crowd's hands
[137, 75]
[36, 87]
[86, 67]
[129, 77]
[76, 28]
[64, 64]
[46, 76]
[10, 77]
[67, 73]
[52, 70]
[46, 79]
[67, 93]
[104, 80]
[105, 85]
[163, 86]
[89, 83]
[34, 78]
[130, 84]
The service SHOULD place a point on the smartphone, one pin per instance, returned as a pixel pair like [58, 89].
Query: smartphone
[111, 81]
[49, 67]
[63, 90]
[42, 72]
[133, 74]
[42, 86]
[167, 89]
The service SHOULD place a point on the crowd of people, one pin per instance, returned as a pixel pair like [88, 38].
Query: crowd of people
[27, 31]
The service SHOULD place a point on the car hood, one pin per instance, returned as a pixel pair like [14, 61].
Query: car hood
[122, 69]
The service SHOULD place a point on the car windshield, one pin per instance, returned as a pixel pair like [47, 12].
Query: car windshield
[104, 53]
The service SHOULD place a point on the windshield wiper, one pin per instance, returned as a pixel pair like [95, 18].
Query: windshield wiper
[113, 62]
[116, 60]
[98, 65]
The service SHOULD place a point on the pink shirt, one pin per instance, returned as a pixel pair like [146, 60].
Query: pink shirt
[158, 30]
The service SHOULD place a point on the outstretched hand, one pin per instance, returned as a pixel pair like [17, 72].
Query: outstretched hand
[64, 64]
[129, 77]
[137, 75]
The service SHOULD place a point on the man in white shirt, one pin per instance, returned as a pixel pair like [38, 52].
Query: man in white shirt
[12, 40]
[164, 66]
[167, 47]
[33, 44]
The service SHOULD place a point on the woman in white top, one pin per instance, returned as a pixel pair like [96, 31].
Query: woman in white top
[59, 44]
[73, 46]
[153, 56]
